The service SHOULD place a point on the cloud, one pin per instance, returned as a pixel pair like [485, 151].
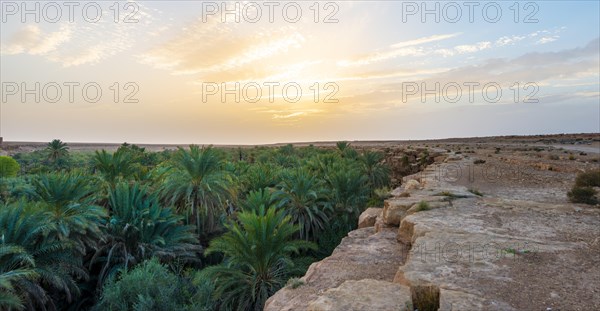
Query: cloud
[289, 115]
[31, 40]
[400, 49]
[569, 64]
[221, 51]
[423, 40]
[509, 40]
[82, 43]
[548, 70]
[548, 39]
[480, 46]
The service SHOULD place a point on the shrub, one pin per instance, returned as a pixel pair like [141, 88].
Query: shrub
[479, 161]
[583, 191]
[8, 167]
[150, 286]
[294, 283]
[588, 179]
[582, 195]
[423, 206]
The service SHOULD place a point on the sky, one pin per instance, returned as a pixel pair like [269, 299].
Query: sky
[213, 72]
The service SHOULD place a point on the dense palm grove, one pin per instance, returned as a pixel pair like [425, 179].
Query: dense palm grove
[196, 228]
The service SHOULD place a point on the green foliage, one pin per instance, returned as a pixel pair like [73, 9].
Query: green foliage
[197, 182]
[349, 191]
[14, 189]
[342, 146]
[8, 167]
[376, 172]
[67, 233]
[149, 286]
[379, 196]
[256, 200]
[423, 206]
[17, 266]
[139, 228]
[258, 256]
[302, 196]
[260, 176]
[114, 167]
[57, 153]
[294, 283]
[29, 257]
[70, 202]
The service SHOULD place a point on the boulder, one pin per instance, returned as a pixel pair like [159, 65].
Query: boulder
[411, 184]
[368, 217]
[395, 209]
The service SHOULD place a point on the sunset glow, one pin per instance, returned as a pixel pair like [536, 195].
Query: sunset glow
[356, 73]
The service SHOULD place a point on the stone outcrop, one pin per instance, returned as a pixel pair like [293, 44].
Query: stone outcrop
[362, 255]
[363, 295]
[492, 252]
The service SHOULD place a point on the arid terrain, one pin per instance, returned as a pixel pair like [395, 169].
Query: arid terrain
[486, 225]
[497, 233]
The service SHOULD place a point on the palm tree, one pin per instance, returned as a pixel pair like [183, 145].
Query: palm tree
[196, 180]
[69, 199]
[113, 167]
[349, 191]
[342, 146]
[255, 200]
[322, 163]
[140, 228]
[303, 197]
[17, 265]
[377, 173]
[345, 150]
[32, 264]
[260, 176]
[57, 151]
[257, 258]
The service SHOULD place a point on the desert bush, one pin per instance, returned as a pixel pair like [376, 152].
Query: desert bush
[588, 179]
[479, 161]
[583, 191]
[582, 195]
